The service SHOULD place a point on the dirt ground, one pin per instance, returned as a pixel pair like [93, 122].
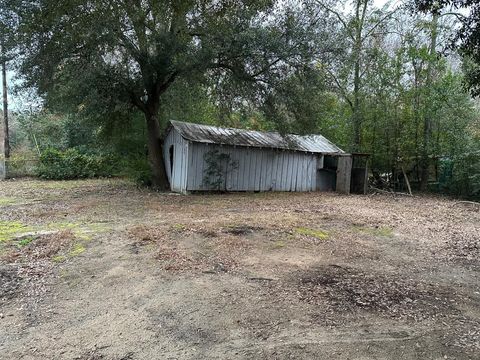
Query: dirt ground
[103, 270]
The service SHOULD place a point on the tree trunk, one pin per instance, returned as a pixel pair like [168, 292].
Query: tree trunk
[357, 120]
[427, 120]
[155, 153]
[5, 110]
[416, 107]
[360, 12]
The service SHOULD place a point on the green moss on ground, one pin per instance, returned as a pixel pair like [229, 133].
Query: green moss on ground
[279, 244]
[179, 227]
[59, 258]
[11, 235]
[77, 249]
[10, 229]
[83, 233]
[7, 201]
[63, 226]
[25, 241]
[316, 233]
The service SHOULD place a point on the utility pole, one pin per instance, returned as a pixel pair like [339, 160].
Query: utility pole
[4, 140]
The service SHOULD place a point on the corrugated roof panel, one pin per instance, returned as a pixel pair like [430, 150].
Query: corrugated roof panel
[240, 137]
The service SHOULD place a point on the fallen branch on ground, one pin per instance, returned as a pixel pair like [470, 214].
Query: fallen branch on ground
[464, 202]
[389, 192]
[260, 279]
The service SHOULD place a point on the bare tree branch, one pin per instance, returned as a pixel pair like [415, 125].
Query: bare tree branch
[386, 17]
[340, 87]
[337, 15]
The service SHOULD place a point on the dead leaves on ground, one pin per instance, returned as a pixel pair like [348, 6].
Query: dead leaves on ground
[25, 263]
[213, 250]
[36, 247]
[343, 289]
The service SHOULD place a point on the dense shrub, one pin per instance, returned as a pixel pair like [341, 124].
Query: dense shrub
[22, 164]
[75, 164]
[460, 176]
[137, 169]
[466, 175]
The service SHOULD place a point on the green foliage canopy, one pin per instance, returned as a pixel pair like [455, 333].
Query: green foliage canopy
[107, 58]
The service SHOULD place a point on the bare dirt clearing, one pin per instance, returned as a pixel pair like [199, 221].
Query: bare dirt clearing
[102, 270]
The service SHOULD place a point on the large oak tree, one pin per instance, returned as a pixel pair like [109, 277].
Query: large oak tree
[116, 54]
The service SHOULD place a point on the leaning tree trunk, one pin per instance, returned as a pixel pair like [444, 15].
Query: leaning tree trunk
[155, 153]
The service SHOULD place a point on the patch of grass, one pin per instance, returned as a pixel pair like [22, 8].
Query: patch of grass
[82, 235]
[77, 250]
[82, 231]
[46, 246]
[383, 231]
[25, 241]
[279, 244]
[318, 234]
[63, 226]
[98, 227]
[8, 229]
[179, 227]
[59, 258]
[7, 201]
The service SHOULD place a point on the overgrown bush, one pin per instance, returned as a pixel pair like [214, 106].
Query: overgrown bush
[75, 164]
[460, 176]
[466, 175]
[137, 169]
[22, 164]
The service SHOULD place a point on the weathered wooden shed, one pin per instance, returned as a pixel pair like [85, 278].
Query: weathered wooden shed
[201, 158]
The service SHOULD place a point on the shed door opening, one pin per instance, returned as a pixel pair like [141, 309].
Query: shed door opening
[359, 181]
[170, 152]
[327, 174]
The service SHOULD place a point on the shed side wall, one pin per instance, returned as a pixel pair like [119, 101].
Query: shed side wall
[256, 169]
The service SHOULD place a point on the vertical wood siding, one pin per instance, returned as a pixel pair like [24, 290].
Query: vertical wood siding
[344, 172]
[257, 169]
[177, 177]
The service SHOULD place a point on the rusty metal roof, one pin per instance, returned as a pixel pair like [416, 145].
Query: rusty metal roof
[239, 137]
